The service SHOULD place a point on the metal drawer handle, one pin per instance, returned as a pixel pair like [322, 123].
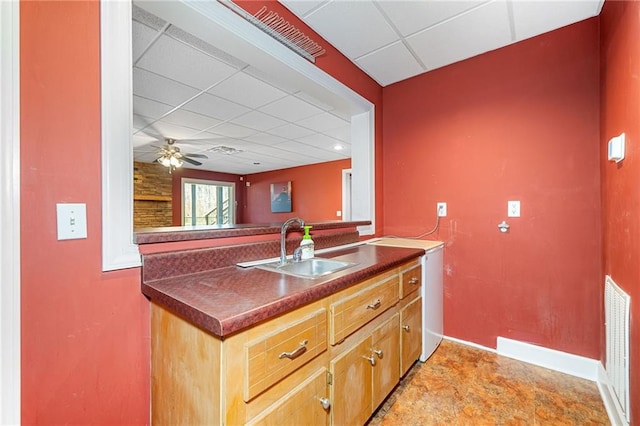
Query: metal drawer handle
[371, 359]
[296, 353]
[413, 280]
[374, 305]
[326, 404]
[378, 352]
[405, 327]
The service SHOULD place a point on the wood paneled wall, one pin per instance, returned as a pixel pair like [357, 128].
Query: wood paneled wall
[151, 195]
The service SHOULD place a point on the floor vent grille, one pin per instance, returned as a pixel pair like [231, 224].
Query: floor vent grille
[616, 307]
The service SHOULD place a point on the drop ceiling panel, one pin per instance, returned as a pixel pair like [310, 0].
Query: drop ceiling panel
[187, 65]
[320, 141]
[290, 131]
[353, 27]
[301, 7]
[140, 122]
[190, 119]
[322, 122]
[439, 32]
[163, 129]
[160, 89]
[308, 151]
[215, 107]
[258, 121]
[265, 139]
[464, 37]
[291, 109]
[412, 16]
[149, 108]
[248, 91]
[142, 36]
[341, 133]
[376, 64]
[231, 130]
[533, 18]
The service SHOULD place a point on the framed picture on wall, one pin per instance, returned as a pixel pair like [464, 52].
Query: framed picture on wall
[281, 197]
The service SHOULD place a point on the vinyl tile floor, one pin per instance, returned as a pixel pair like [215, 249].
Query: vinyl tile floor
[462, 385]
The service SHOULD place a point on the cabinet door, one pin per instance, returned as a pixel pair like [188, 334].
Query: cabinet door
[385, 349]
[351, 388]
[301, 406]
[410, 334]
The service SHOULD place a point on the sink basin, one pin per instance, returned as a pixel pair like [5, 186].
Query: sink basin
[310, 268]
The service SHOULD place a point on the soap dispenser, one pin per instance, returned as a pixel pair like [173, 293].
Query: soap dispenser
[307, 244]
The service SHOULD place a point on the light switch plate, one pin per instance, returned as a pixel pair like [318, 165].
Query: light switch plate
[72, 220]
[513, 208]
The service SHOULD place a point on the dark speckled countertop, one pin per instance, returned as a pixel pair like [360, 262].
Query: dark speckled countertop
[227, 300]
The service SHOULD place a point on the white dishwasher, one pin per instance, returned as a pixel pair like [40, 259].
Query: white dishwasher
[432, 288]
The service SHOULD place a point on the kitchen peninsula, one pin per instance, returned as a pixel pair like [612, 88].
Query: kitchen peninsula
[232, 345]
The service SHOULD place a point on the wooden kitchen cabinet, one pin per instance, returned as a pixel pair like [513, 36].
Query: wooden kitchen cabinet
[386, 348]
[302, 406]
[410, 334]
[365, 374]
[351, 385]
[340, 377]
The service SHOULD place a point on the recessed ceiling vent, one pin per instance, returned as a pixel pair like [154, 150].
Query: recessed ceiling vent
[280, 29]
[226, 150]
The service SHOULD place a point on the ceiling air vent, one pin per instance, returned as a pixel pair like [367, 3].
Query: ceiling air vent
[226, 150]
[275, 25]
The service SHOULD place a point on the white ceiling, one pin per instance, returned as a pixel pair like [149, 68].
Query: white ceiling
[188, 90]
[392, 40]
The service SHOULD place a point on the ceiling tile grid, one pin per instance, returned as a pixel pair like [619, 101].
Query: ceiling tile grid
[194, 92]
[417, 36]
[187, 90]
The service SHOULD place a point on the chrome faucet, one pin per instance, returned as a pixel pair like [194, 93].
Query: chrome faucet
[283, 237]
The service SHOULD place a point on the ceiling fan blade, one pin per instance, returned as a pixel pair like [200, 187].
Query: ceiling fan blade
[189, 160]
[195, 155]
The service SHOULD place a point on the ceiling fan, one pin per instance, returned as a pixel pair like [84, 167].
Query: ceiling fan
[171, 157]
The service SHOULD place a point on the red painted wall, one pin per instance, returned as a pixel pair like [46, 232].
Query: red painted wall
[316, 192]
[620, 112]
[85, 334]
[519, 123]
[176, 193]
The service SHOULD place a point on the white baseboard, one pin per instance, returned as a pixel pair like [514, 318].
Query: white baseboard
[466, 343]
[552, 359]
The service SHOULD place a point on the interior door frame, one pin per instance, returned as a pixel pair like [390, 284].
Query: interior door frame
[10, 389]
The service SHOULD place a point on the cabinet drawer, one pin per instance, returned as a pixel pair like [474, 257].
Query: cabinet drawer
[410, 281]
[278, 354]
[352, 312]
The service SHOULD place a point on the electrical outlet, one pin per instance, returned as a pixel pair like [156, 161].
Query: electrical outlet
[442, 209]
[513, 208]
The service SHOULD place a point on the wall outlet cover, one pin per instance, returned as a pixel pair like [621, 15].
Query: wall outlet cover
[513, 208]
[442, 209]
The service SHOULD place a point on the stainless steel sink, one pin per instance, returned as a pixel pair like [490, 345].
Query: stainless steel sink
[310, 268]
